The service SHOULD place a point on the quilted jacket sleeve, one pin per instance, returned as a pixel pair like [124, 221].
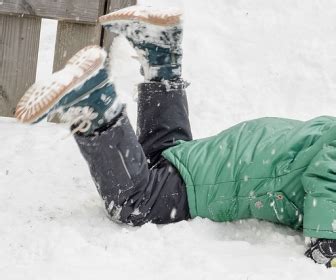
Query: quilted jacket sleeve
[319, 182]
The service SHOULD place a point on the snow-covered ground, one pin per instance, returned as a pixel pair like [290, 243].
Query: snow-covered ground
[245, 59]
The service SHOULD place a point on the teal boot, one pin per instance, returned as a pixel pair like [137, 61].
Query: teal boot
[81, 94]
[156, 35]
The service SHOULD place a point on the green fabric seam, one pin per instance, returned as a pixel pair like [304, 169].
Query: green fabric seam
[239, 180]
[317, 230]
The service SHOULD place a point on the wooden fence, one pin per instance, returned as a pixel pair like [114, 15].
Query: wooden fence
[20, 25]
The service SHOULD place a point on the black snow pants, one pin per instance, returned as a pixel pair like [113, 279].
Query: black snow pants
[136, 183]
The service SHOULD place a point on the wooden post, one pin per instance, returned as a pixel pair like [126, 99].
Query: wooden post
[72, 37]
[19, 44]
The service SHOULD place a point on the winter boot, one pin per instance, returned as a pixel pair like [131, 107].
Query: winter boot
[322, 251]
[156, 36]
[81, 94]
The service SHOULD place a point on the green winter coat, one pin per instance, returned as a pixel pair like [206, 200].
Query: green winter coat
[273, 169]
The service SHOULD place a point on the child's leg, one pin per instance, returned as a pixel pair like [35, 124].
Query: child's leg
[132, 192]
[162, 117]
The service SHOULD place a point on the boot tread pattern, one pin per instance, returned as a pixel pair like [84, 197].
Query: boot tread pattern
[42, 96]
[164, 17]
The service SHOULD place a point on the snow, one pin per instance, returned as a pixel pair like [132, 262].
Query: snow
[314, 202]
[334, 225]
[46, 48]
[245, 59]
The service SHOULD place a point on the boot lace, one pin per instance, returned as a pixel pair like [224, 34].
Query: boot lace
[79, 118]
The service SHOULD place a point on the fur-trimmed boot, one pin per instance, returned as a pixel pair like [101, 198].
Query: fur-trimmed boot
[81, 94]
[156, 36]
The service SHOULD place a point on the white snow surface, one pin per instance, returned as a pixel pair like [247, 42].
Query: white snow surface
[245, 59]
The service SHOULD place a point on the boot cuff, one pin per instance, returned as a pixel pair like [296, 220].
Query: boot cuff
[178, 84]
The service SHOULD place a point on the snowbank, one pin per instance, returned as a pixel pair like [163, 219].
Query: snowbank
[245, 59]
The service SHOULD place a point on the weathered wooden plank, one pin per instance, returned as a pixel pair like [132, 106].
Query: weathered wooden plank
[70, 10]
[19, 44]
[71, 38]
[114, 5]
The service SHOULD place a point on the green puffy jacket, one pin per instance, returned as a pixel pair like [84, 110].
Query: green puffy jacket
[273, 169]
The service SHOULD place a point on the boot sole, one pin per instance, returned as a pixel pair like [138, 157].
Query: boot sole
[167, 17]
[41, 97]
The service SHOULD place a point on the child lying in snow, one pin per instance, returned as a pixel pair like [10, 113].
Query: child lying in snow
[278, 170]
